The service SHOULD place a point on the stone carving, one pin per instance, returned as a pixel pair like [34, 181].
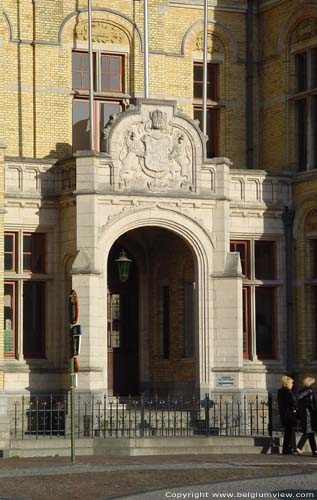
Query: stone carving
[102, 32]
[213, 43]
[305, 30]
[155, 155]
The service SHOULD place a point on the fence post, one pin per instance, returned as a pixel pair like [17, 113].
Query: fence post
[270, 403]
[207, 408]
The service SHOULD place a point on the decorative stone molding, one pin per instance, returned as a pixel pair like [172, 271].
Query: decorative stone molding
[214, 44]
[102, 32]
[156, 156]
[305, 30]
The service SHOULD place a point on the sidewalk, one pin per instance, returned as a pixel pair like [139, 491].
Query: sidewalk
[96, 478]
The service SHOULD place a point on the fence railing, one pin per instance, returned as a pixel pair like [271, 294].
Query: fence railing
[49, 416]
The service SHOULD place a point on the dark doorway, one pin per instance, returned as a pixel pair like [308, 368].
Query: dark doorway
[123, 330]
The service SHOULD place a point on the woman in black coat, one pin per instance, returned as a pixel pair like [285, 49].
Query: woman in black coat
[287, 409]
[307, 413]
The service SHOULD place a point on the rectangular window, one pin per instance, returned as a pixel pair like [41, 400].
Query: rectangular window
[10, 261]
[166, 321]
[243, 247]
[265, 322]
[81, 70]
[111, 73]
[188, 320]
[212, 128]
[34, 252]
[9, 319]
[33, 319]
[264, 260]
[314, 258]
[212, 81]
[246, 322]
[301, 71]
[102, 110]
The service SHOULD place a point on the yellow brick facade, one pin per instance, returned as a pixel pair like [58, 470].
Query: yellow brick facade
[36, 90]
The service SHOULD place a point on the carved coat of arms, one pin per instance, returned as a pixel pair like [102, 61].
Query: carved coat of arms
[155, 155]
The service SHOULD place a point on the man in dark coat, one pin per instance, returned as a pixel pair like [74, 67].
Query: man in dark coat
[307, 414]
[287, 409]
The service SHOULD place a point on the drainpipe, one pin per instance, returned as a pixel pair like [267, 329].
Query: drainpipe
[250, 84]
[288, 219]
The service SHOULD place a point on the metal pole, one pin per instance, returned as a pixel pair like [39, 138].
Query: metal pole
[91, 80]
[288, 220]
[146, 52]
[205, 67]
[250, 122]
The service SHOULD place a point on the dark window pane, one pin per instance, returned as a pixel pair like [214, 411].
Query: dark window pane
[80, 125]
[76, 79]
[9, 252]
[314, 122]
[38, 253]
[8, 261]
[27, 243]
[8, 242]
[33, 319]
[9, 320]
[85, 81]
[265, 327]
[27, 262]
[314, 258]
[246, 322]
[301, 71]
[212, 81]
[212, 129]
[302, 134]
[198, 90]
[265, 260]
[107, 109]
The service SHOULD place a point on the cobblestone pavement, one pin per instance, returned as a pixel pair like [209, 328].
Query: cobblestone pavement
[105, 478]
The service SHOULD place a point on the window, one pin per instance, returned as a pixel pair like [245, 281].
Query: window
[258, 262]
[24, 292]
[306, 108]
[108, 85]
[10, 252]
[212, 126]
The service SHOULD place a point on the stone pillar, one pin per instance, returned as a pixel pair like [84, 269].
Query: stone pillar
[88, 280]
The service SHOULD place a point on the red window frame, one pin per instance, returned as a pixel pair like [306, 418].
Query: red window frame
[212, 81]
[10, 355]
[120, 73]
[245, 262]
[42, 238]
[246, 308]
[14, 251]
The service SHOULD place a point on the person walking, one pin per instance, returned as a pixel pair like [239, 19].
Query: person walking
[288, 414]
[307, 414]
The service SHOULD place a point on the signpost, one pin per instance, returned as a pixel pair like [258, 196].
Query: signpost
[75, 332]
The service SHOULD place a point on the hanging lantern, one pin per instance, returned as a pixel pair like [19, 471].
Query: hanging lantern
[123, 263]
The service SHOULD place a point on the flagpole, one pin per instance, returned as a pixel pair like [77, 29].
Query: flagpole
[205, 67]
[146, 51]
[91, 80]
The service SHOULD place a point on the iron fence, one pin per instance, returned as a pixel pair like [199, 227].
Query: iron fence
[136, 417]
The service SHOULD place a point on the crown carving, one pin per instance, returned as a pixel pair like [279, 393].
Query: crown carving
[158, 119]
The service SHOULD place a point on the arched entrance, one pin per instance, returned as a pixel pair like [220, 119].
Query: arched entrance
[152, 317]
